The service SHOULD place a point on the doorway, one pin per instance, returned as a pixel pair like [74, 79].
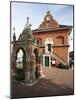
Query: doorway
[46, 61]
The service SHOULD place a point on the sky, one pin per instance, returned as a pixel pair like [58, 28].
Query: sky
[36, 12]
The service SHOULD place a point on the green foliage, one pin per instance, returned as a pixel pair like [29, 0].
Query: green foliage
[62, 66]
[20, 75]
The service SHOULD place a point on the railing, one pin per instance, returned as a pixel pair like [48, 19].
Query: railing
[60, 59]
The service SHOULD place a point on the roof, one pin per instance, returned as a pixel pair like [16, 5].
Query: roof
[50, 24]
[61, 27]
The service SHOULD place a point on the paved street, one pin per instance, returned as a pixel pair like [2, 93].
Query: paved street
[55, 82]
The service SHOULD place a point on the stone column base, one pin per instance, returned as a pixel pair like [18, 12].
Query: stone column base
[30, 76]
[27, 76]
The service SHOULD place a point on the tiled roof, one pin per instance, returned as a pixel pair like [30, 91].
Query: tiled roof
[61, 27]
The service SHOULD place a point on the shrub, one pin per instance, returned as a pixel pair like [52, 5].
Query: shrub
[20, 74]
[62, 66]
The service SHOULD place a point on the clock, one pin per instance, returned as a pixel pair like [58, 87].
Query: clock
[48, 18]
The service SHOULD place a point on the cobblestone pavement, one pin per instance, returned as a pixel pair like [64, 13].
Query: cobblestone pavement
[55, 82]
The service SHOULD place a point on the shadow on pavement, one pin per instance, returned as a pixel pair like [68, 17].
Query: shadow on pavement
[43, 88]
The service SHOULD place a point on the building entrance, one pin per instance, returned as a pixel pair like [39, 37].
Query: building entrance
[46, 61]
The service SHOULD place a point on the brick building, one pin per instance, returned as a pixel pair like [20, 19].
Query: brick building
[48, 45]
[53, 41]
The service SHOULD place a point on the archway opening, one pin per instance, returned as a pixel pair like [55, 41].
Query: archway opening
[19, 60]
[20, 64]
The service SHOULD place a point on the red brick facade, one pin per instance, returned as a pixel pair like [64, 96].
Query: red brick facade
[59, 34]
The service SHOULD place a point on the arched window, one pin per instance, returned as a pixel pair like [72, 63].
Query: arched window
[60, 40]
[19, 60]
[39, 41]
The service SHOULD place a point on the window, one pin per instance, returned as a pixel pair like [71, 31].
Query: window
[60, 40]
[39, 41]
[49, 47]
